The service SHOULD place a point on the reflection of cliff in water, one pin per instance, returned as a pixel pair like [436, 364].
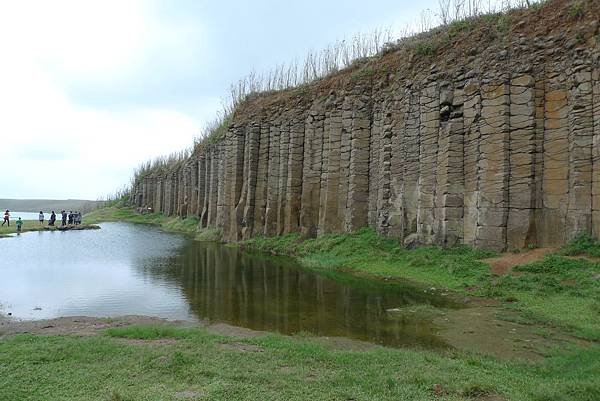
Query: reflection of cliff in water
[224, 284]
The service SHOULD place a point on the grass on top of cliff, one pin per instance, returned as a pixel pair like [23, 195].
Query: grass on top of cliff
[559, 290]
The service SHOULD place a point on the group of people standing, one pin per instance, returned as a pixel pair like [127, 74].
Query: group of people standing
[71, 218]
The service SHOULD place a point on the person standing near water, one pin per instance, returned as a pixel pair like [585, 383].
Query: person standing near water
[41, 218]
[19, 225]
[64, 218]
[52, 219]
[6, 218]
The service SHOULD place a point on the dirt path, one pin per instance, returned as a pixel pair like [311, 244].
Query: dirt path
[503, 265]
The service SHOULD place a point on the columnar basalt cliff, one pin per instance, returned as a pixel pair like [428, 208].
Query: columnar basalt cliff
[473, 135]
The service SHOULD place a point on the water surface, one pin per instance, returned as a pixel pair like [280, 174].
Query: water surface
[127, 269]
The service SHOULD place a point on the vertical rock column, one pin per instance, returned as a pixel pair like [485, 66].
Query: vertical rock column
[471, 120]
[234, 180]
[262, 174]
[522, 190]
[193, 201]
[538, 171]
[294, 171]
[493, 166]
[209, 214]
[412, 166]
[450, 191]
[581, 133]
[397, 144]
[358, 182]
[270, 227]
[201, 190]
[383, 206]
[168, 193]
[345, 153]
[284, 146]
[158, 200]
[429, 132]
[556, 161]
[374, 158]
[331, 216]
[183, 198]
[311, 177]
[596, 155]
[246, 206]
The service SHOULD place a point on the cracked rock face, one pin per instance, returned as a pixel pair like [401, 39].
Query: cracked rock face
[498, 151]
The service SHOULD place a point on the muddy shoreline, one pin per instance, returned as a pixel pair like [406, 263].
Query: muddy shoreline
[472, 329]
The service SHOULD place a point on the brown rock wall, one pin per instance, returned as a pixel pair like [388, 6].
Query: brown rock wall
[499, 151]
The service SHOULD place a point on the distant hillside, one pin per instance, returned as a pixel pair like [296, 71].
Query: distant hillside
[35, 205]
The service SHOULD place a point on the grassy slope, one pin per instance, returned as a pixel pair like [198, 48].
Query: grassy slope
[272, 367]
[175, 224]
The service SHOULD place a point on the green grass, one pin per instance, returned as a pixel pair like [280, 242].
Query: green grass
[558, 291]
[582, 245]
[152, 332]
[175, 224]
[28, 225]
[276, 367]
[366, 252]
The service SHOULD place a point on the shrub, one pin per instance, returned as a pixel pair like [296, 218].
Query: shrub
[577, 11]
[425, 49]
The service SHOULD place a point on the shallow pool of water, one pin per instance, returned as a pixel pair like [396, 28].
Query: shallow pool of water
[127, 269]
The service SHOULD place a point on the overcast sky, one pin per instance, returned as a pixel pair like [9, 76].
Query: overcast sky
[90, 89]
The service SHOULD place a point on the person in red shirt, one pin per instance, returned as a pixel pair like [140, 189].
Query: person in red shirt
[6, 218]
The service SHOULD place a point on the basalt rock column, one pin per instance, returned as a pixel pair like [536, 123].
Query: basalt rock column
[312, 171]
[522, 189]
[358, 180]
[581, 133]
[493, 167]
[596, 154]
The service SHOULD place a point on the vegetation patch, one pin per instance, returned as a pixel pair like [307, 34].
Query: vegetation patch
[457, 27]
[582, 245]
[153, 332]
[273, 367]
[188, 225]
[426, 48]
[363, 73]
[577, 10]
